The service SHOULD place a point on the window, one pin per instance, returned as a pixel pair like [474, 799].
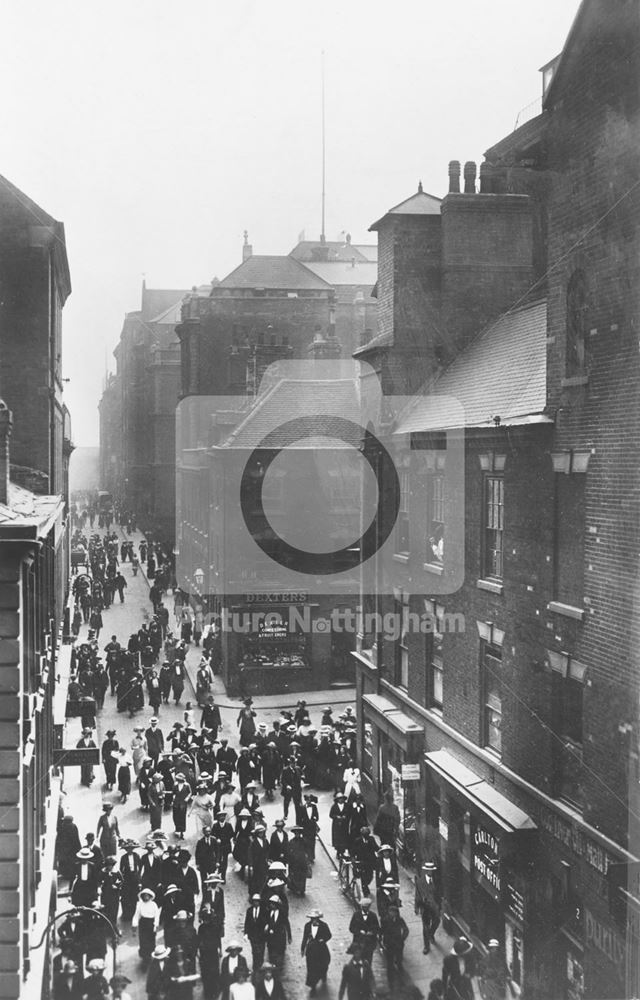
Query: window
[402, 648]
[491, 668]
[493, 526]
[576, 325]
[402, 525]
[435, 518]
[570, 539]
[434, 670]
[567, 720]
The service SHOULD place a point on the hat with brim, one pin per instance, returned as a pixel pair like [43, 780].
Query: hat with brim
[221, 814]
[87, 731]
[119, 980]
[275, 899]
[212, 879]
[96, 965]
[385, 848]
[256, 897]
[277, 866]
[365, 902]
[244, 813]
[493, 943]
[181, 915]
[233, 946]
[84, 854]
[259, 828]
[462, 946]
[315, 915]
[171, 890]
[279, 823]
[429, 866]
[147, 892]
[160, 952]
[267, 967]
[111, 732]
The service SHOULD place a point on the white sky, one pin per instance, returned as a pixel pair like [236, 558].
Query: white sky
[158, 130]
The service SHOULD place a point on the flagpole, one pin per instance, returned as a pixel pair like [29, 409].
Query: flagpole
[322, 234]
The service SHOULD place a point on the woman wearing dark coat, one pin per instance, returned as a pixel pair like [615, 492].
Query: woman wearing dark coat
[209, 952]
[298, 862]
[269, 975]
[339, 824]
[67, 846]
[242, 836]
[314, 948]
[110, 747]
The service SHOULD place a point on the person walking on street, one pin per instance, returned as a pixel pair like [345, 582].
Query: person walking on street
[278, 931]
[314, 949]
[393, 934]
[146, 918]
[268, 985]
[365, 928]
[254, 930]
[458, 970]
[156, 796]
[357, 978]
[120, 584]
[108, 833]
[426, 904]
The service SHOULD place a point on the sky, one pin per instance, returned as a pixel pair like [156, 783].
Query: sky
[158, 131]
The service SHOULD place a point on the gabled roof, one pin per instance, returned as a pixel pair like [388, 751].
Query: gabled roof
[563, 58]
[261, 271]
[298, 398]
[520, 141]
[420, 203]
[338, 250]
[382, 340]
[503, 373]
[339, 272]
[170, 316]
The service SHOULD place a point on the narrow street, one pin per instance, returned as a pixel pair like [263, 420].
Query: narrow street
[85, 805]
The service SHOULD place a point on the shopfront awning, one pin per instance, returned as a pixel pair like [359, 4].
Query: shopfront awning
[479, 793]
[391, 720]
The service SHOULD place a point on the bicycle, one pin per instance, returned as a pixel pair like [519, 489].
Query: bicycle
[349, 877]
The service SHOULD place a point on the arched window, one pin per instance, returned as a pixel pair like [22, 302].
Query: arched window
[576, 344]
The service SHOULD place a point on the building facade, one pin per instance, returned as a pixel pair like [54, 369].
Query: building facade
[512, 684]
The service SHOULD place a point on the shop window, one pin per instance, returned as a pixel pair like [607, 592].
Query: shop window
[493, 527]
[367, 749]
[491, 670]
[402, 523]
[435, 518]
[576, 325]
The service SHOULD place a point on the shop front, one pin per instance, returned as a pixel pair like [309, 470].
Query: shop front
[392, 746]
[486, 849]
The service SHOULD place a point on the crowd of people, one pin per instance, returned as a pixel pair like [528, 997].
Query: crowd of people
[192, 782]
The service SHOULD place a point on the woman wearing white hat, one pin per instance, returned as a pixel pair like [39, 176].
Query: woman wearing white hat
[146, 919]
[315, 950]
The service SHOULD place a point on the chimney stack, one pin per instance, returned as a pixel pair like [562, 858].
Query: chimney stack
[247, 249]
[470, 177]
[6, 422]
[454, 177]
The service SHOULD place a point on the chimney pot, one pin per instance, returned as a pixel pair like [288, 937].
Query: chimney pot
[470, 177]
[247, 249]
[454, 177]
[487, 177]
[6, 423]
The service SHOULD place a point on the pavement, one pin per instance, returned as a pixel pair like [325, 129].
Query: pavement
[323, 892]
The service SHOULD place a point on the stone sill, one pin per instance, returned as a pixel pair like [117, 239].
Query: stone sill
[574, 380]
[493, 586]
[435, 568]
[401, 557]
[567, 610]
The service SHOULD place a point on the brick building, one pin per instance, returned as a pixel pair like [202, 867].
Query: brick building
[513, 681]
[34, 559]
[137, 412]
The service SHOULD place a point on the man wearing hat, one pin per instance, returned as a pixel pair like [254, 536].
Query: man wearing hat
[309, 820]
[364, 852]
[183, 935]
[258, 859]
[279, 843]
[232, 961]
[226, 757]
[278, 931]
[387, 895]
[155, 740]
[268, 985]
[206, 854]
[365, 928]
[426, 904]
[87, 878]
[151, 868]
[213, 896]
[158, 981]
[315, 950]
[271, 767]
[458, 969]
[291, 786]
[357, 978]
[222, 836]
[118, 984]
[254, 929]
[495, 974]
[210, 934]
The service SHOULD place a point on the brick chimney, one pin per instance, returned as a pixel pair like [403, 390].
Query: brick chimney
[6, 422]
[247, 249]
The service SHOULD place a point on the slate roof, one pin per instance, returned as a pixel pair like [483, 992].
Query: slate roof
[382, 340]
[281, 272]
[294, 398]
[420, 203]
[338, 250]
[501, 373]
[338, 272]
[518, 142]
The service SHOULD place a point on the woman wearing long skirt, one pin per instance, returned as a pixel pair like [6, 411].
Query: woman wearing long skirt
[138, 749]
[209, 952]
[146, 918]
[298, 862]
[201, 808]
[107, 832]
[242, 836]
[315, 950]
[124, 776]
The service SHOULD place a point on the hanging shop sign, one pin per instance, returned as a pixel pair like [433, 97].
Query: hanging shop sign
[443, 828]
[486, 860]
[513, 898]
[607, 941]
[411, 772]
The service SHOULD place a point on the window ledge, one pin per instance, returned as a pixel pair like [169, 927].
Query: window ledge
[493, 586]
[574, 380]
[567, 610]
[435, 568]
[434, 710]
[401, 557]
[493, 753]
